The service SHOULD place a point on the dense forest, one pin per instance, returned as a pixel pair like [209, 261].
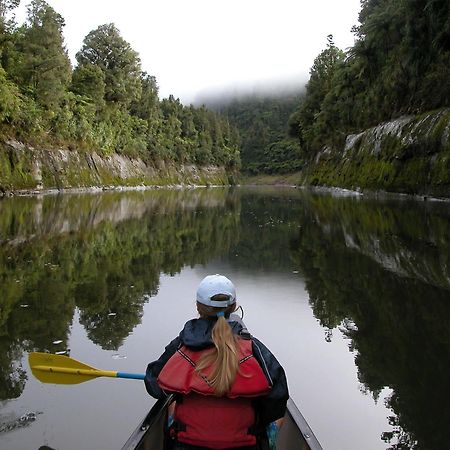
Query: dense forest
[105, 104]
[262, 121]
[399, 64]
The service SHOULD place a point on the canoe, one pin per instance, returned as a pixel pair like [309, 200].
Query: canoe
[295, 433]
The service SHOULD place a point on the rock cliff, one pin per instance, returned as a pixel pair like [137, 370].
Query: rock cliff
[409, 155]
[25, 168]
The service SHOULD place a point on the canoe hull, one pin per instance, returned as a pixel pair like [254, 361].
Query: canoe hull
[149, 435]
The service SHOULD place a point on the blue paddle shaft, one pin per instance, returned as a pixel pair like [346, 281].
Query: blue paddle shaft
[134, 376]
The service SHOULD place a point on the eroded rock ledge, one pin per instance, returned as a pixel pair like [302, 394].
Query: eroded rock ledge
[409, 155]
[23, 168]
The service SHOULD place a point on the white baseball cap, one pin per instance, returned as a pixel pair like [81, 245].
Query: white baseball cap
[214, 285]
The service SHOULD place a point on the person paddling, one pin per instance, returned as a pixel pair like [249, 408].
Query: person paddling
[228, 386]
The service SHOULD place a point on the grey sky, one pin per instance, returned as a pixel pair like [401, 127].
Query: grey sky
[198, 46]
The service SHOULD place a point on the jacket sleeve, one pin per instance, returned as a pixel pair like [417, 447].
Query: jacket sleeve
[273, 405]
[155, 367]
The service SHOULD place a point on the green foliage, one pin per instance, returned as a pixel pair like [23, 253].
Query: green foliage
[307, 123]
[9, 99]
[42, 68]
[120, 64]
[146, 106]
[263, 131]
[399, 64]
[74, 121]
[105, 105]
[89, 80]
[6, 22]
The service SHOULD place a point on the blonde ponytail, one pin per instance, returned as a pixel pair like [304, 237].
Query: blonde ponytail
[224, 357]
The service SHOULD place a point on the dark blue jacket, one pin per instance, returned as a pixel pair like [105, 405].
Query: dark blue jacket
[196, 335]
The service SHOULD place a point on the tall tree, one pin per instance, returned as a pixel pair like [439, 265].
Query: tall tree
[318, 86]
[43, 66]
[105, 48]
[147, 105]
[6, 27]
[5, 7]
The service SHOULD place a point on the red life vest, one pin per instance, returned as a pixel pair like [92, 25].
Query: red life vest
[208, 420]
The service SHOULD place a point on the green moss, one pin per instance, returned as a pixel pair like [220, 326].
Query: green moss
[413, 177]
[417, 162]
[48, 178]
[74, 170]
[16, 169]
[440, 170]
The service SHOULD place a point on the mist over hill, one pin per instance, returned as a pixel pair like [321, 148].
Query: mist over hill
[216, 98]
[262, 119]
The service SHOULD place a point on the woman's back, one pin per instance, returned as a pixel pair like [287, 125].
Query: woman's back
[228, 385]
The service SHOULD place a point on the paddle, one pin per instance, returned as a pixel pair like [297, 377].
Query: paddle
[60, 369]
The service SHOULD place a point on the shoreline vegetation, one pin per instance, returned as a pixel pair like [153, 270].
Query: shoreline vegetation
[105, 113]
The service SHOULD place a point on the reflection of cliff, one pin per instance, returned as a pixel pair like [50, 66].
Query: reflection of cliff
[101, 254]
[407, 238]
[401, 338]
[30, 217]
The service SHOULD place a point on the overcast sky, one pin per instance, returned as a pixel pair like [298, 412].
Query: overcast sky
[194, 47]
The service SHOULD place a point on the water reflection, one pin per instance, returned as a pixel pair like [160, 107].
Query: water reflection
[382, 271]
[100, 254]
[378, 271]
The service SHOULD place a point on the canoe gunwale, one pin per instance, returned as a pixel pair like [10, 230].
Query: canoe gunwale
[152, 416]
[303, 426]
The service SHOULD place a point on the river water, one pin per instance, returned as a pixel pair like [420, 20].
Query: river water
[351, 294]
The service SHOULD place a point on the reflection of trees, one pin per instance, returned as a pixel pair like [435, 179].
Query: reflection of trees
[268, 219]
[102, 254]
[12, 375]
[401, 338]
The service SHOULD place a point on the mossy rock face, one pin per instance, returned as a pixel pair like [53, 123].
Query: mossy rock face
[410, 155]
[23, 168]
[440, 170]
[16, 168]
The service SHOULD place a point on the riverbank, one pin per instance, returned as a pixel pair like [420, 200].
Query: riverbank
[294, 179]
[28, 170]
[408, 155]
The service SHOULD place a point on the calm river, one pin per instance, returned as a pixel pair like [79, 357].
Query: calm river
[351, 294]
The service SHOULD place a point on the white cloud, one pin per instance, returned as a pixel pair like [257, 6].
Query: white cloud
[193, 46]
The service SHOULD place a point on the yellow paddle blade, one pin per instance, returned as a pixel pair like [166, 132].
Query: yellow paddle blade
[60, 369]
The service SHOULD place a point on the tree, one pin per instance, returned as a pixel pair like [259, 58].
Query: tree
[89, 80]
[42, 68]
[147, 105]
[319, 84]
[105, 48]
[9, 99]
[5, 7]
